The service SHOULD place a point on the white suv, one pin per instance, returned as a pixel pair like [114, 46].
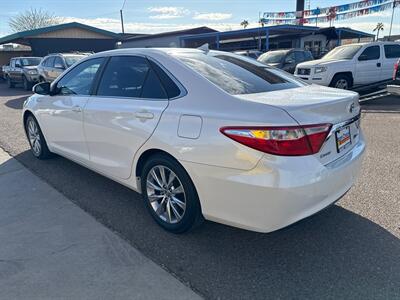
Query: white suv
[352, 65]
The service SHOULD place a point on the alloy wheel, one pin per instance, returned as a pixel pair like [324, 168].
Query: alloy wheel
[166, 194]
[342, 84]
[34, 137]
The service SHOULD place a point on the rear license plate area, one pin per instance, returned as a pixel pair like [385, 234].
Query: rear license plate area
[343, 138]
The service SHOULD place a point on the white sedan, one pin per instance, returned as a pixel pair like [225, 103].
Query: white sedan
[202, 135]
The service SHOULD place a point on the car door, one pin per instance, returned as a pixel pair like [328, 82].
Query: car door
[368, 65]
[123, 114]
[61, 115]
[11, 69]
[48, 68]
[391, 55]
[58, 67]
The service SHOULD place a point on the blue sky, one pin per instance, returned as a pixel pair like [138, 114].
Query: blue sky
[157, 16]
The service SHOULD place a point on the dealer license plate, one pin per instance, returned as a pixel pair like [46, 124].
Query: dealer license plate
[343, 138]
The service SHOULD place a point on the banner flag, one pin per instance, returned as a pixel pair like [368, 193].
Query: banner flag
[326, 14]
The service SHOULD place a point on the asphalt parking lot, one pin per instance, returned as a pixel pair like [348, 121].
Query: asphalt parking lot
[349, 251]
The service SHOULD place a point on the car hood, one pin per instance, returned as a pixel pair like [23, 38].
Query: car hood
[311, 104]
[323, 62]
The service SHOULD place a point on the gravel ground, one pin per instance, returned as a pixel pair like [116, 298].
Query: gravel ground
[349, 251]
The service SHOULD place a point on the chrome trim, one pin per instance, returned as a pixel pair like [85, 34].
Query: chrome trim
[343, 124]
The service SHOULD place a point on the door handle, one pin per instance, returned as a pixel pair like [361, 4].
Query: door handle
[378, 65]
[144, 115]
[76, 108]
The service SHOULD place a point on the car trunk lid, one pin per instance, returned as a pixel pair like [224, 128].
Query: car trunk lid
[319, 105]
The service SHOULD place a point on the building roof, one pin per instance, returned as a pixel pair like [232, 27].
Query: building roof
[19, 36]
[276, 30]
[191, 31]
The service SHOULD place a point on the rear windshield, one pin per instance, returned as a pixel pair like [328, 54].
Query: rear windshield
[237, 75]
[30, 61]
[70, 60]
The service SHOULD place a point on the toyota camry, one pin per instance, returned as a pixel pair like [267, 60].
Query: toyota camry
[202, 134]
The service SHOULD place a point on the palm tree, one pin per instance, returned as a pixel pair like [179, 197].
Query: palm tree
[244, 23]
[378, 28]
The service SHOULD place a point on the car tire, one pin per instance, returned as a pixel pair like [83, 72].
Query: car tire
[36, 139]
[10, 84]
[173, 204]
[27, 85]
[342, 81]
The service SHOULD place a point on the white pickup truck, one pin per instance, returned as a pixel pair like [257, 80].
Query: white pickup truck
[352, 65]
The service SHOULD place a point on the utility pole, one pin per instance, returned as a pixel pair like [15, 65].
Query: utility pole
[122, 21]
[391, 21]
[122, 17]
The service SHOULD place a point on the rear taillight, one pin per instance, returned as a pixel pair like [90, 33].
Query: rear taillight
[396, 67]
[286, 141]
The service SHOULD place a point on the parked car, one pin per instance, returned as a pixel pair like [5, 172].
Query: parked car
[54, 64]
[352, 65]
[261, 151]
[394, 88]
[22, 70]
[249, 53]
[285, 59]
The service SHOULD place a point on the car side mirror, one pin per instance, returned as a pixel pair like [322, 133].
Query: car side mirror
[42, 88]
[363, 57]
[17, 65]
[289, 62]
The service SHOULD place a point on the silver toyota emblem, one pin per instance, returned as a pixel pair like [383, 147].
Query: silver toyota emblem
[351, 108]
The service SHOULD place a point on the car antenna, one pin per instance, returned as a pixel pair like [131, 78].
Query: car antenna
[204, 47]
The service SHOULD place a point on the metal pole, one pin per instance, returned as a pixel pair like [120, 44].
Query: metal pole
[391, 21]
[122, 21]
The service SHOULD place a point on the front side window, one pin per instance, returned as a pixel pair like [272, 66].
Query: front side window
[79, 80]
[58, 63]
[49, 62]
[236, 75]
[392, 51]
[370, 53]
[299, 56]
[130, 76]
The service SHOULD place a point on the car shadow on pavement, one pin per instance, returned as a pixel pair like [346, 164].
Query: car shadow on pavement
[16, 103]
[335, 254]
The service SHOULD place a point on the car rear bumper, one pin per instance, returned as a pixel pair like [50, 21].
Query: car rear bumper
[277, 192]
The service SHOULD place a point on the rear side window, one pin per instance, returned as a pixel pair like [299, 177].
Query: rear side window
[169, 85]
[236, 75]
[370, 53]
[392, 51]
[130, 76]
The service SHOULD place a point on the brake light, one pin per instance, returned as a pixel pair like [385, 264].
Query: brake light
[396, 67]
[285, 141]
